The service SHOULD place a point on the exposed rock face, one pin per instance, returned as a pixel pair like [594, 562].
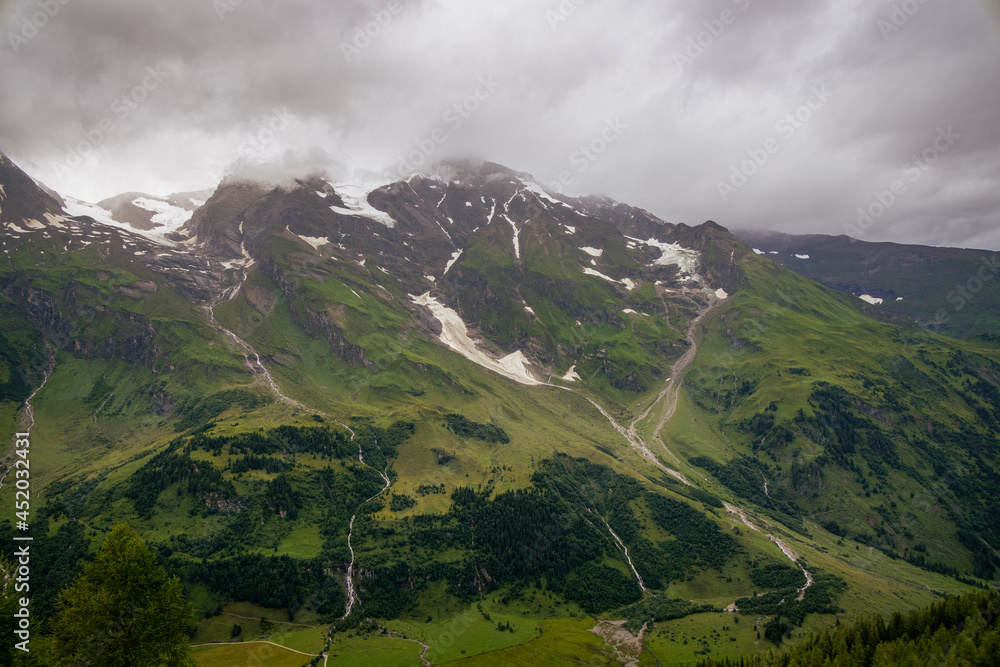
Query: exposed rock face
[488, 242]
[134, 341]
[21, 198]
[141, 290]
[38, 306]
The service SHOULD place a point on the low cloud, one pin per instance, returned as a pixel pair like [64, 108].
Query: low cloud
[362, 86]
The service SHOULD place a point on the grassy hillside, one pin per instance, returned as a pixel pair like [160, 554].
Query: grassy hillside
[489, 520]
[872, 432]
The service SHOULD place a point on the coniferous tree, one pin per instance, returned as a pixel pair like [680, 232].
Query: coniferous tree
[122, 611]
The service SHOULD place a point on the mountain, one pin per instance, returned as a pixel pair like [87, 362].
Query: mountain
[456, 414]
[950, 290]
[146, 212]
[21, 199]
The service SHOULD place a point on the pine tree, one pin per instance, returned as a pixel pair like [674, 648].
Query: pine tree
[122, 611]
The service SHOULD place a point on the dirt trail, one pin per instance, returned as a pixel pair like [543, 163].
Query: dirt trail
[309, 655]
[638, 445]
[669, 395]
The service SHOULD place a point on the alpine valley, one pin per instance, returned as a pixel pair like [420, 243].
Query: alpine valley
[462, 418]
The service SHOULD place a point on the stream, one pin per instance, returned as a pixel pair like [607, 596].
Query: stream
[259, 370]
[352, 596]
[256, 366]
[627, 557]
[670, 395]
[29, 409]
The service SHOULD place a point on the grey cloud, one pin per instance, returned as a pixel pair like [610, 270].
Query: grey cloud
[564, 67]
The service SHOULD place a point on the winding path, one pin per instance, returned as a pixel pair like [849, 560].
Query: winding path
[308, 655]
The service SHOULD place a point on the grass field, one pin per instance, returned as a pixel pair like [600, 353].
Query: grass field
[564, 641]
[361, 652]
[261, 654]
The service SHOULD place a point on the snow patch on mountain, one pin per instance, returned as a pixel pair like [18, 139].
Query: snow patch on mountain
[759, 252]
[55, 220]
[801, 256]
[517, 234]
[166, 214]
[673, 253]
[355, 200]
[874, 300]
[451, 262]
[455, 335]
[75, 207]
[593, 252]
[539, 192]
[627, 282]
[315, 241]
[571, 374]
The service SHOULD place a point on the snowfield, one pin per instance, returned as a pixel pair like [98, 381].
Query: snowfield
[169, 216]
[687, 260]
[356, 200]
[455, 335]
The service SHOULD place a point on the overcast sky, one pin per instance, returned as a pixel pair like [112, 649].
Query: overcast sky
[778, 114]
